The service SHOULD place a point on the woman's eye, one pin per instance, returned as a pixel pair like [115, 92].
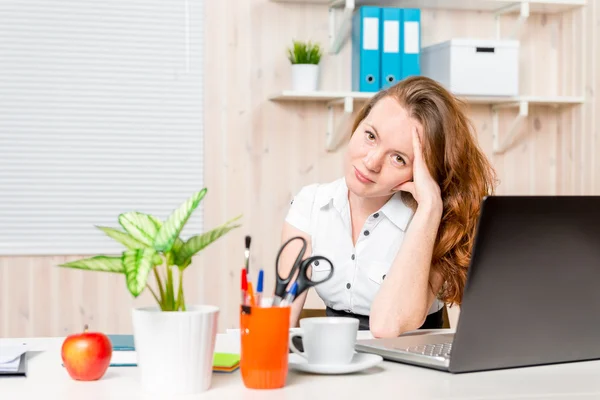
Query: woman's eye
[370, 135]
[399, 159]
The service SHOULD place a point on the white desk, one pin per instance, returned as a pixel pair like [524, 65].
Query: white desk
[47, 379]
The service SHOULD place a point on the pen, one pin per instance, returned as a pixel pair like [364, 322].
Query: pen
[276, 301]
[259, 287]
[251, 301]
[244, 286]
[289, 297]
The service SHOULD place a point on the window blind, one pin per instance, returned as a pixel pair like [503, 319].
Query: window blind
[100, 113]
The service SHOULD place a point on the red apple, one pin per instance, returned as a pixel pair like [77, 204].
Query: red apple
[86, 355]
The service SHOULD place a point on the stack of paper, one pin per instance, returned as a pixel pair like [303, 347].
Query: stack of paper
[226, 362]
[13, 360]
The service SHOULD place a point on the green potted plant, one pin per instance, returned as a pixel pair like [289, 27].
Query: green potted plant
[305, 58]
[174, 341]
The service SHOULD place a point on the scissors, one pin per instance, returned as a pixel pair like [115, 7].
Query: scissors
[301, 266]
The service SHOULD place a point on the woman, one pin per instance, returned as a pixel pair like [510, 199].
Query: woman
[399, 226]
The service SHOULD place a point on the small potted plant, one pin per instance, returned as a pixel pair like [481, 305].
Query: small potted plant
[174, 341]
[305, 58]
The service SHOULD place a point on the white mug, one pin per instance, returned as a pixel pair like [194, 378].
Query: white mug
[327, 340]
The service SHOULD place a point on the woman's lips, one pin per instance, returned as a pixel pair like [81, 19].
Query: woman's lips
[361, 177]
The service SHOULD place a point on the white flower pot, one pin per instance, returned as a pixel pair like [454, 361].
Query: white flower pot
[305, 77]
[175, 349]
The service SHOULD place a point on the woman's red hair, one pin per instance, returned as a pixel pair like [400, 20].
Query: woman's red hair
[456, 162]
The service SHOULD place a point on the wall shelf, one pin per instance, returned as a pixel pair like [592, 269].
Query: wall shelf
[326, 96]
[335, 132]
[536, 6]
[340, 11]
[523, 103]
[288, 95]
[340, 26]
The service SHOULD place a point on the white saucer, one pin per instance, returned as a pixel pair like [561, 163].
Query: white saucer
[359, 362]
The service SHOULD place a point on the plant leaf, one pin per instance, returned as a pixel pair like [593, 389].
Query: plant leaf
[196, 243]
[122, 237]
[97, 263]
[157, 259]
[314, 55]
[157, 223]
[170, 230]
[177, 245]
[141, 227]
[138, 264]
[291, 56]
[178, 242]
[304, 52]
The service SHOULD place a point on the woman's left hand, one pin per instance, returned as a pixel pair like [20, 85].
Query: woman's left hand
[423, 187]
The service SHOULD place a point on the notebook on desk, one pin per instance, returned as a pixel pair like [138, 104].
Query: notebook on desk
[124, 354]
[122, 342]
[15, 367]
[13, 360]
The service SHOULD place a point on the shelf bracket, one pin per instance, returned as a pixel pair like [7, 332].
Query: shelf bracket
[335, 133]
[523, 15]
[498, 147]
[339, 34]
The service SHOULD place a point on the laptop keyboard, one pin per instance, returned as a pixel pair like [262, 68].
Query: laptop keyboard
[433, 350]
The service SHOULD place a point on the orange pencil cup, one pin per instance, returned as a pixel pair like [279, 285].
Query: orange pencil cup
[264, 350]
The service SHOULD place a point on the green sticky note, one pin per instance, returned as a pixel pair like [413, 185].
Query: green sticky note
[225, 360]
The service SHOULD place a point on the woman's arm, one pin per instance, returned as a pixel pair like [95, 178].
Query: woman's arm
[405, 296]
[286, 261]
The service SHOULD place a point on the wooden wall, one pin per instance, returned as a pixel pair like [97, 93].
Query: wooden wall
[259, 152]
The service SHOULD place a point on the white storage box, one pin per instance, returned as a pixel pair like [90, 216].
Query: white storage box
[474, 67]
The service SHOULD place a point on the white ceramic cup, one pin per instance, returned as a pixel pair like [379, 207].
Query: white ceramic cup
[327, 340]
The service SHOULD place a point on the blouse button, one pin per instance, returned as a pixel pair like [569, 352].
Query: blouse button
[376, 215]
[353, 257]
[317, 263]
[348, 285]
[383, 277]
[367, 233]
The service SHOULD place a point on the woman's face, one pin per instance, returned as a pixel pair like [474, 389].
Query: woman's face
[380, 153]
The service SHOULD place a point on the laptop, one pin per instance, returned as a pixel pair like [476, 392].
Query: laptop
[532, 292]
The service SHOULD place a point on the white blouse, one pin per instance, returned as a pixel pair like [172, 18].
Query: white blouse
[323, 212]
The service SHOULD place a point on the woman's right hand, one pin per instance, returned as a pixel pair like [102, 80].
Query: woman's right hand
[423, 187]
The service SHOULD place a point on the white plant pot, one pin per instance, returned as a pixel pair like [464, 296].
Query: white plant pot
[305, 77]
[175, 349]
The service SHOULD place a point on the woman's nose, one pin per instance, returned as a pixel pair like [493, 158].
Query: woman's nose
[372, 161]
